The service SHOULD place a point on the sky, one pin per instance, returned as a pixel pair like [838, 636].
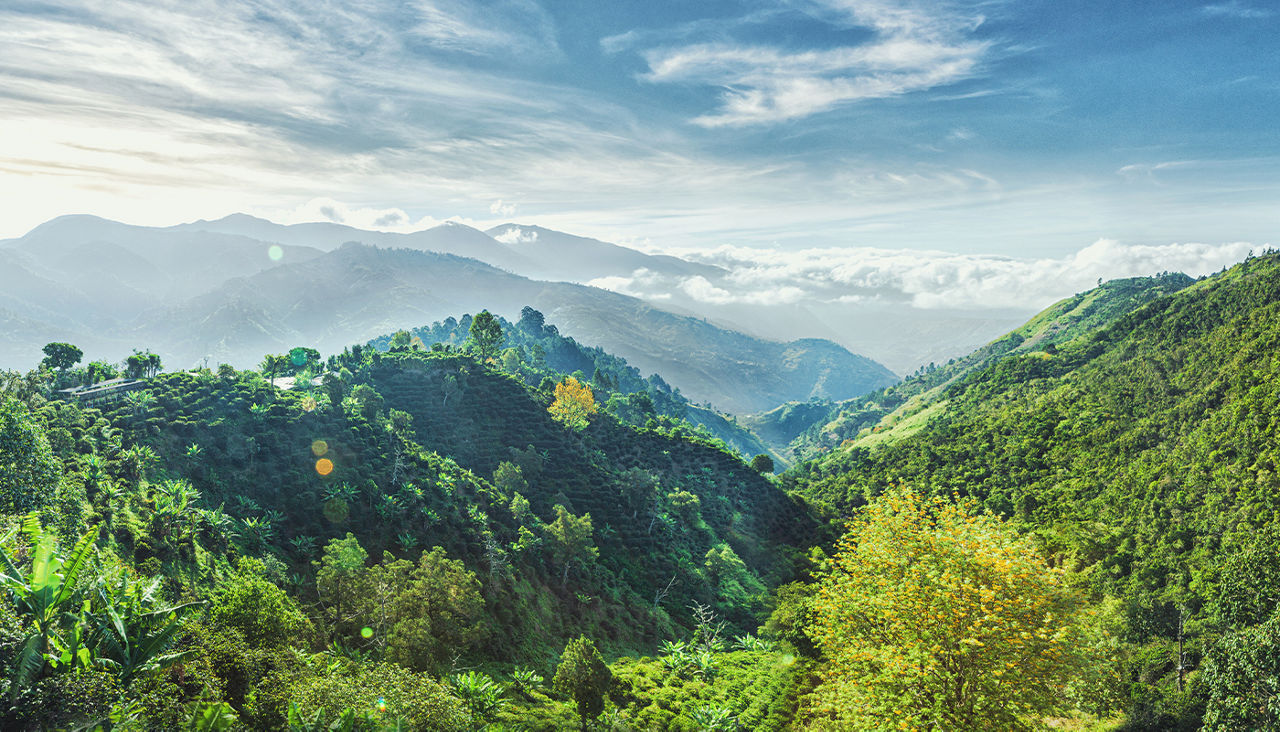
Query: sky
[1031, 130]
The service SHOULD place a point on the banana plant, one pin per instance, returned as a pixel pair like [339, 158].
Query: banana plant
[133, 632]
[47, 596]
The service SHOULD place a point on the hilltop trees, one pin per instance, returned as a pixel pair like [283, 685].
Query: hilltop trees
[938, 616]
[61, 356]
[531, 320]
[485, 336]
[140, 364]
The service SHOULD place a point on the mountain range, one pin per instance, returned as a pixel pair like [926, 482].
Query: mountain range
[233, 289]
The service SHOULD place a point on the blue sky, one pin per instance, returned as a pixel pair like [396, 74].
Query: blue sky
[1020, 129]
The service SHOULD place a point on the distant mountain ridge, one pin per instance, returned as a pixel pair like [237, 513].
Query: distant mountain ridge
[212, 291]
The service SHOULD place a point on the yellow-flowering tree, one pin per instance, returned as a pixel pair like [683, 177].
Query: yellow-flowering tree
[574, 403]
[934, 615]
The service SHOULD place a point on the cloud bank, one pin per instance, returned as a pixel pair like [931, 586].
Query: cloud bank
[927, 280]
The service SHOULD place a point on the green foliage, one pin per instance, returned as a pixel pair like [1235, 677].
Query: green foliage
[28, 471]
[1241, 679]
[436, 613]
[81, 622]
[1138, 453]
[142, 364]
[539, 353]
[485, 336]
[480, 693]
[80, 698]
[583, 676]
[570, 538]
[762, 464]
[61, 356]
[256, 607]
[384, 692]
[933, 614]
[513, 579]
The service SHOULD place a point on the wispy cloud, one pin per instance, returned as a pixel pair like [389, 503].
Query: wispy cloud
[1235, 9]
[204, 107]
[914, 47]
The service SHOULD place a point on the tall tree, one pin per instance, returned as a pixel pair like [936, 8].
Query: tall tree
[570, 540]
[574, 404]
[531, 321]
[272, 364]
[583, 675]
[485, 335]
[937, 616]
[61, 356]
[142, 363]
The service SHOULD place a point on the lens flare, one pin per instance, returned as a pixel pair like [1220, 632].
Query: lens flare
[324, 466]
[276, 252]
[319, 448]
[366, 632]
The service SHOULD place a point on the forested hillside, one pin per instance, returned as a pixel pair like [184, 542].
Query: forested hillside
[481, 524]
[810, 429]
[399, 484]
[1142, 455]
[534, 350]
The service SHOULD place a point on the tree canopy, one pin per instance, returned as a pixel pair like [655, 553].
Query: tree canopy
[936, 615]
[574, 404]
[485, 336]
[61, 356]
[583, 675]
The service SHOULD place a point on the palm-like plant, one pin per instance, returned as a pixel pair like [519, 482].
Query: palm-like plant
[46, 595]
[304, 545]
[714, 719]
[749, 642]
[137, 459]
[219, 526]
[174, 503]
[256, 531]
[133, 632]
[481, 694]
[524, 680]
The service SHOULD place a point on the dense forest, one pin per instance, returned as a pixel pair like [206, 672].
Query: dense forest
[480, 524]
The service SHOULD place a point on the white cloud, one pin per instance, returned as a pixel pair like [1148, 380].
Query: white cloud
[514, 235]
[367, 218]
[921, 279]
[1148, 170]
[501, 208]
[1235, 9]
[915, 47]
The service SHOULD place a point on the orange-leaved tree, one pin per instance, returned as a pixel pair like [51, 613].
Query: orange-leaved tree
[935, 615]
[574, 403]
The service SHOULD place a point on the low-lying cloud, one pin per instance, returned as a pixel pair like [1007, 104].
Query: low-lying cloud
[926, 280]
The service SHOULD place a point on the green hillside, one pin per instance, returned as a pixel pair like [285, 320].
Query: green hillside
[534, 350]
[1077, 527]
[1142, 455]
[811, 429]
[545, 532]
